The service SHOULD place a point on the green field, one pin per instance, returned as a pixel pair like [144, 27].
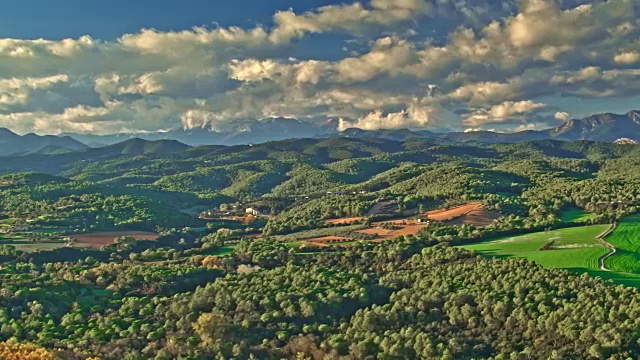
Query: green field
[223, 250]
[576, 249]
[576, 215]
[31, 246]
[626, 239]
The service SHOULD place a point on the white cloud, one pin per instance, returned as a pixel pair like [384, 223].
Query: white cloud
[526, 127]
[405, 59]
[388, 56]
[562, 116]
[351, 18]
[507, 111]
[627, 58]
[413, 117]
[484, 92]
[19, 90]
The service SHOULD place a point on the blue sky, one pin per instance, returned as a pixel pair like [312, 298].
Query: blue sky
[107, 20]
[122, 66]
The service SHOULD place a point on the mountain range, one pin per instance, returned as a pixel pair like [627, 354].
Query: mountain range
[606, 127]
[240, 132]
[12, 144]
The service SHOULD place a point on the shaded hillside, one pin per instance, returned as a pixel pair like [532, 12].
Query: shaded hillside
[12, 144]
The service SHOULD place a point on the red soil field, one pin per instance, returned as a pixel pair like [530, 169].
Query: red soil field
[384, 234]
[99, 239]
[399, 222]
[452, 213]
[376, 231]
[343, 221]
[478, 217]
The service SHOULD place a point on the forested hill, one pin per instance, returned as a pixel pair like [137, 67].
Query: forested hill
[232, 285]
[309, 151]
[166, 177]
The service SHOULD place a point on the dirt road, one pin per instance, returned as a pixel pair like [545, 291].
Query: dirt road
[612, 249]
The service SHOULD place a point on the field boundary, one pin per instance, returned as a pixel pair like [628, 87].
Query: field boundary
[612, 249]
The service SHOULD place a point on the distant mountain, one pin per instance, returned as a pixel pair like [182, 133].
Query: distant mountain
[601, 127]
[141, 147]
[242, 132]
[12, 144]
[56, 163]
[392, 135]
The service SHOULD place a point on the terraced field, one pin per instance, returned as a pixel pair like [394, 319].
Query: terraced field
[626, 239]
[576, 249]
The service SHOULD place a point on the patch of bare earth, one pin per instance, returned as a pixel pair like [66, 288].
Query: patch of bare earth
[452, 213]
[99, 239]
[477, 217]
[402, 228]
[344, 221]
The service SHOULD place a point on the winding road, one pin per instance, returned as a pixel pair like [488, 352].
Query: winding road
[612, 249]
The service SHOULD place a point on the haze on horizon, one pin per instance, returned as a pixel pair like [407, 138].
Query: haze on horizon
[107, 67]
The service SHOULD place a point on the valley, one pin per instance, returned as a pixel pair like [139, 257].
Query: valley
[320, 180]
[303, 241]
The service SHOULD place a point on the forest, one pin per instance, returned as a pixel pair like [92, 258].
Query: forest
[204, 289]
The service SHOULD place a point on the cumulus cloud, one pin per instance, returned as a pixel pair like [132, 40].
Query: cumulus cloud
[407, 62]
[413, 117]
[351, 18]
[505, 112]
[19, 90]
[562, 116]
[627, 58]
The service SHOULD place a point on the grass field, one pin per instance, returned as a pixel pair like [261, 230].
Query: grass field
[30, 246]
[576, 249]
[626, 239]
[224, 250]
[315, 233]
[576, 215]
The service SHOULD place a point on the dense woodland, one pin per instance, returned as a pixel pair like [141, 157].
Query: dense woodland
[182, 297]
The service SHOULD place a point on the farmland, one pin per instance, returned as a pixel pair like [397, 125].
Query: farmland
[626, 239]
[477, 217]
[576, 249]
[30, 246]
[344, 221]
[99, 239]
[394, 229]
[448, 214]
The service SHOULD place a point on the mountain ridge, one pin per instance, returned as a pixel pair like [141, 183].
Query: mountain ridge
[607, 127]
[12, 144]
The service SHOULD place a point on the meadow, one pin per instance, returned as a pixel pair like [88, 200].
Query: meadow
[576, 215]
[31, 246]
[576, 249]
[626, 239]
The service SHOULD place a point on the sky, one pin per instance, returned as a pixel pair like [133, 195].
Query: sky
[102, 67]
